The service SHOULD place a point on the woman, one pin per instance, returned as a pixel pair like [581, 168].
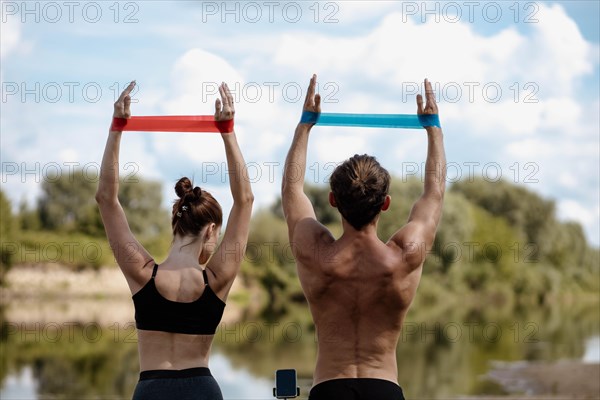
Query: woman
[179, 304]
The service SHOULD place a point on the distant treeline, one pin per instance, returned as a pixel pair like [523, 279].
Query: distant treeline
[497, 241]
[65, 226]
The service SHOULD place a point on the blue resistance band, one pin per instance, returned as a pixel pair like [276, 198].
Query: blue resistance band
[406, 121]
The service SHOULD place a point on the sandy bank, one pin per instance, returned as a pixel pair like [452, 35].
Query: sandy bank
[51, 293]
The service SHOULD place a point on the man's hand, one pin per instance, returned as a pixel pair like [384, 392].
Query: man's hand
[430, 106]
[123, 103]
[312, 101]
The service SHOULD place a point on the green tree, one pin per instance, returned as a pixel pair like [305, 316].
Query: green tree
[269, 260]
[319, 197]
[455, 229]
[68, 204]
[7, 228]
[497, 242]
[521, 207]
[568, 245]
[142, 202]
[29, 219]
[404, 193]
[6, 217]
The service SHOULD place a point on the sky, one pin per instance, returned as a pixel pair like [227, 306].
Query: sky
[517, 85]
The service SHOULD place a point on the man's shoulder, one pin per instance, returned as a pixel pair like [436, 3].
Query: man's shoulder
[310, 237]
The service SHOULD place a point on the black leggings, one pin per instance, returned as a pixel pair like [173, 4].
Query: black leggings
[356, 389]
[185, 384]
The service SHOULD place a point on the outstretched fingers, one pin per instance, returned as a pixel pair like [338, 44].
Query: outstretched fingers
[419, 104]
[218, 106]
[123, 103]
[126, 92]
[228, 107]
[309, 102]
[430, 105]
[229, 98]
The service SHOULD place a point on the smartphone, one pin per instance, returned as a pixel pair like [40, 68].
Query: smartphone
[285, 384]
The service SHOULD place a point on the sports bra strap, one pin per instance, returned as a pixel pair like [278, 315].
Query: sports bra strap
[205, 277]
[154, 270]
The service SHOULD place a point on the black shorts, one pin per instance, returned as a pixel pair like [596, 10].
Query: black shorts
[192, 384]
[356, 389]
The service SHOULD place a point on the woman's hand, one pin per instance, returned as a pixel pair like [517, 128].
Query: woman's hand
[123, 103]
[224, 109]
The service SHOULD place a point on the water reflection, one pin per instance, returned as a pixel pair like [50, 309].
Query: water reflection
[440, 355]
[235, 383]
[21, 385]
[239, 383]
[592, 350]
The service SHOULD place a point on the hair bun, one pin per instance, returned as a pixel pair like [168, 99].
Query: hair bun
[198, 192]
[183, 187]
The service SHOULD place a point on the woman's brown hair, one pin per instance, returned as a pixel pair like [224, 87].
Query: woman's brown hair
[195, 209]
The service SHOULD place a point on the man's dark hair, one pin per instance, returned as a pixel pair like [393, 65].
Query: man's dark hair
[360, 185]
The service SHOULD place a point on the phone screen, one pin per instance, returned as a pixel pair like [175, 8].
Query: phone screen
[285, 383]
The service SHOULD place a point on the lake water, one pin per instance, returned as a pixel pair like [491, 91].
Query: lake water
[439, 356]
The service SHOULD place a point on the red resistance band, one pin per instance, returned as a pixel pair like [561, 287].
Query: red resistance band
[175, 123]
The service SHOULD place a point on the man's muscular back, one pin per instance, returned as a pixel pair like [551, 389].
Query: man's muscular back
[359, 290]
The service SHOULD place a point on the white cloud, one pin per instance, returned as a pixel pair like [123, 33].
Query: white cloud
[410, 147]
[336, 146]
[561, 113]
[11, 40]
[369, 62]
[588, 216]
[528, 149]
[355, 11]
[194, 79]
[544, 65]
[556, 51]
[10, 35]
[263, 125]
[504, 118]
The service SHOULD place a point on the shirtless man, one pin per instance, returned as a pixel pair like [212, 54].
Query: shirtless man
[358, 287]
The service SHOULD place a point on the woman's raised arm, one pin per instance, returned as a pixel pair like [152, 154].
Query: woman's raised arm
[227, 259]
[129, 253]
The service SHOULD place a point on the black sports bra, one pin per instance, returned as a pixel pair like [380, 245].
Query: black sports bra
[155, 313]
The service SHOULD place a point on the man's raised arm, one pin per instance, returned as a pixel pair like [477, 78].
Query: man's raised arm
[296, 205]
[417, 236]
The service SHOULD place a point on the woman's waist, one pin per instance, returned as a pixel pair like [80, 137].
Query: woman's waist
[151, 362]
[169, 351]
[174, 373]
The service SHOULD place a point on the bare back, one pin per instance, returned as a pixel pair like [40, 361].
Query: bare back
[166, 350]
[359, 290]
[196, 221]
